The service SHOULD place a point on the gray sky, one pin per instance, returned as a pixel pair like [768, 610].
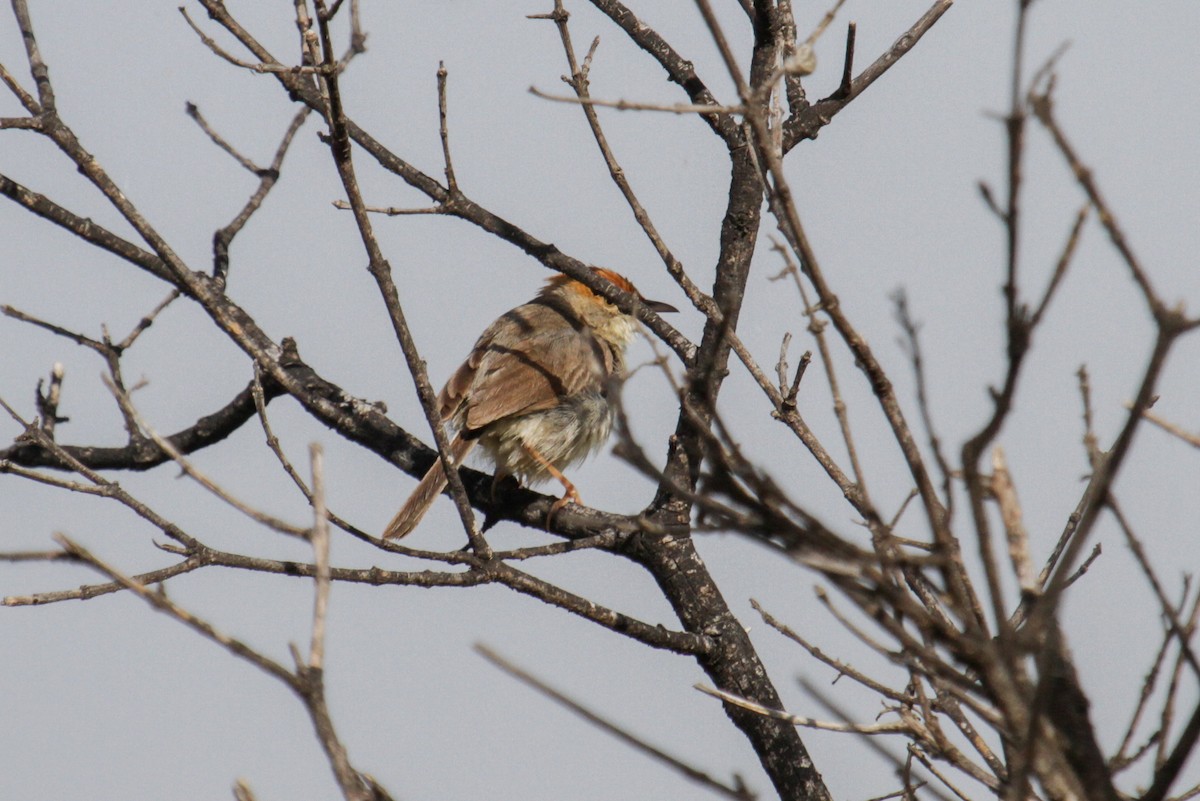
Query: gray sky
[106, 700]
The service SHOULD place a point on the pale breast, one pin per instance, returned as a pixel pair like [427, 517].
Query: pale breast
[563, 435]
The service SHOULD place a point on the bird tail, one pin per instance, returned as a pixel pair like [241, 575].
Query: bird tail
[427, 491]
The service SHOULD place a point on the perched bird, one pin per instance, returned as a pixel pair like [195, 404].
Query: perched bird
[534, 391]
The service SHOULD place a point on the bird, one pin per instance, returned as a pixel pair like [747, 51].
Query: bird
[534, 391]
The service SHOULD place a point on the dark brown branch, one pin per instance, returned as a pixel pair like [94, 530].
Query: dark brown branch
[223, 238]
[480, 574]
[144, 454]
[847, 84]
[812, 119]
[84, 228]
[767, 159]
[1166, 775]
[679, 70]
[1067, 708]
[1018, 328]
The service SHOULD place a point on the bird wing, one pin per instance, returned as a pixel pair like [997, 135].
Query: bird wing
[527, 361]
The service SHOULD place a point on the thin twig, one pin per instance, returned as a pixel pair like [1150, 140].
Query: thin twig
[1174, 430]
[380, 269]
[319, 536]
[578, 81]
[88, 591]
[811, 723]
[737, 790]
[162, 603]
[635, 105]
[1043, 109]
[444, 132]
[195, 473]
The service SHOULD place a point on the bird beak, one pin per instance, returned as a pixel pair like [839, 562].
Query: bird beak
[658, 306]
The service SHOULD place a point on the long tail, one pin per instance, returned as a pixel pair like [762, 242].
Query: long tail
[426, 492]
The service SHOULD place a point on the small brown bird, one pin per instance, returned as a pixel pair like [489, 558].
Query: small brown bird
[534, 391]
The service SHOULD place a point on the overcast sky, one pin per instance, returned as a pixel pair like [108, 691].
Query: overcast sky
[108, 700]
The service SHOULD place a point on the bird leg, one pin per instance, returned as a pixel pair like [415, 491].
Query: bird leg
[571, 495]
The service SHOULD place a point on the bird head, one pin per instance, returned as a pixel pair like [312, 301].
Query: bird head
[602, 316]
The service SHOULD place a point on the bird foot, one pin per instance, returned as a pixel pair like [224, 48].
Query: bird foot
[570, 496]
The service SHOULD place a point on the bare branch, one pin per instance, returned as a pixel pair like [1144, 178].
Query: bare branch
[812, 119]
[197, 475]
[635, 105]
[811, 723]
[89, 591]
[1177, 431]
[319, 537]
[737, 790]
[679, 70]
[578, 81]
[162, 603]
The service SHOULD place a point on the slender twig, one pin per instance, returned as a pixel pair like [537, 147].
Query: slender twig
[578, 81]
[319, 537]
[393, 211]
[193, 111]
[48, 401]
[1165, 776]
[924, 760]
[656, 636]
[195, 473]
[27, 100]
[680, 70]
[811, 723]
[380, 269]
[816, 327]
[162, 603]
[1043, 108]
[872, 744]
[912, 338]
[223, 238]
[35, 556]
[258, 67]
[737, 790]
[146, 321]
[444, 132]
[847, 84]
[842, 668]
[1175, 682]
[1173, 429]
[1017, 536]
[104, 487]
[89, 591]
[1060, 269]
[1166, 608]
[808, 123]
[635, 105]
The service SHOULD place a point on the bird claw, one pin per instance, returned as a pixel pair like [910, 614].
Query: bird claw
[570, 496]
